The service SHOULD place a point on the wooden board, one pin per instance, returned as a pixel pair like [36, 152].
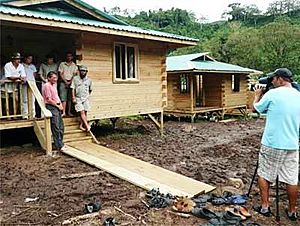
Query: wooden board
[135, 171]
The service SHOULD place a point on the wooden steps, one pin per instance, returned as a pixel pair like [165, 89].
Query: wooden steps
[135, 171]
[72, 132]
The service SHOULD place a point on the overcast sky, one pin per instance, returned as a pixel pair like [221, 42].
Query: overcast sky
[211, 9]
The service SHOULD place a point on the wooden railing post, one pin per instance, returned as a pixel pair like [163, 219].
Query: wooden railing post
[48, 141]
[30, 104]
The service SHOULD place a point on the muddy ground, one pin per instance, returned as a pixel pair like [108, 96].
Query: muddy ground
[206, 151]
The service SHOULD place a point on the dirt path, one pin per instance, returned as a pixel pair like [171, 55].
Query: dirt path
[210, 152]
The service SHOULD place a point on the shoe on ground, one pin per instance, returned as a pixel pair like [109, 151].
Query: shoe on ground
[55, 154]
[64, 148]
[258, 209]
[292, 216]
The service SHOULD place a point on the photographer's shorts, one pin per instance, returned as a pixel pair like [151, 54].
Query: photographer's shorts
[82, 105]
[277, 162]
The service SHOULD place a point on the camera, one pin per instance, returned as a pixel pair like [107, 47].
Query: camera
[266, 82]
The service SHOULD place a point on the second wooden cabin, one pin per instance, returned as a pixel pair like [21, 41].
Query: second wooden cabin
[198, 84]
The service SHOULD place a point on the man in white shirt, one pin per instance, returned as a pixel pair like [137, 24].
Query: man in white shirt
[67, 70]
[14, 71]
[30, 71]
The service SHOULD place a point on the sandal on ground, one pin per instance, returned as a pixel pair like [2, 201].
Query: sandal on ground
[235, 211]
[202, 200]
[238, 199]
[219, 201]
[292, 216]
[204, 213]
[244, 211]
[259, 208]
[230, 215]
[224, 222]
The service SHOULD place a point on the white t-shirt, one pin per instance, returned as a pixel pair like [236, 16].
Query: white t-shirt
[29, 70]
[11, 71]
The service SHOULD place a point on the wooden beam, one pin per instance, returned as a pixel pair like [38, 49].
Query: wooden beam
[80, 27]
[14, 96]
[162, 123]
[39, 98]
[39, 134]
[154, 120]
[6, 99]
[79, 175]
[28, 2]
[88, 11]
[30, 104]
[48, 140]
[192, 91]
[138, 172]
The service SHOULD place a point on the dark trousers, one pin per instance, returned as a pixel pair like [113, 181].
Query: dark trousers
[57, 126]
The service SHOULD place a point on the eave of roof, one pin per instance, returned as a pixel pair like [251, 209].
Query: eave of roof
[124, 29]
[189, 63]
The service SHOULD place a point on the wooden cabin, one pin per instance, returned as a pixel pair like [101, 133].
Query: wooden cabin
[126, 64]
[200, 85]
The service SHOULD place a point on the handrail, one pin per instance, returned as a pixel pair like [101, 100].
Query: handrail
[39, 99]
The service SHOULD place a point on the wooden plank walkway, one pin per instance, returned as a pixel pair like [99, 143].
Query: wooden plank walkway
[135, 171]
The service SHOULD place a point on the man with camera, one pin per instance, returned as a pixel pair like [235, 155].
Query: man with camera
[279, 153]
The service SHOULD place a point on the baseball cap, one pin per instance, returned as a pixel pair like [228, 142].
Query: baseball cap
[16, 56]
[282, 72]
[82, 68]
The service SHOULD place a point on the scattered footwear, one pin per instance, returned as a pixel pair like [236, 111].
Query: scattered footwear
[244, 211]
[64, 148]
[55, 154]
[110, 221]
[158, 200]
[235, 211]
[93, 207]
[202, 200]
[258, 209]
[238, 199]
[183, 205]
[204, 213]
[292, 216]
[217, 201]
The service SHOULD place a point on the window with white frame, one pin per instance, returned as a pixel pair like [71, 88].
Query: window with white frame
[125, 62]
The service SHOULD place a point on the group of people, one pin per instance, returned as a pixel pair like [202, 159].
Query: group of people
[61, 86]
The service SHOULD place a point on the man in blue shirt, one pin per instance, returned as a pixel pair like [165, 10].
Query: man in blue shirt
[279, 154]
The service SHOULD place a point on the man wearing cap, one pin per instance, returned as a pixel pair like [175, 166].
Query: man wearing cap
[81, 89]
[66, 70]
[14, 71]
[279, 153]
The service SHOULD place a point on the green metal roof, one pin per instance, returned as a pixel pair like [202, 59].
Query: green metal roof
[56, 16]
[85, 5]
[201, 62]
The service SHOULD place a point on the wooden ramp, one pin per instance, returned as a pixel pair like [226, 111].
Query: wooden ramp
[135, 171]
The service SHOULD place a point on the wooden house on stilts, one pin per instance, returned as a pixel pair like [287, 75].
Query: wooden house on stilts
[198, 84]
[127, 64]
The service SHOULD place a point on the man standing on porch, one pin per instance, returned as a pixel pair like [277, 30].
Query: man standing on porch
[46, 67]
[30, 71]
[54, 105]
[14, 71]
[66, 70]
[81, 89]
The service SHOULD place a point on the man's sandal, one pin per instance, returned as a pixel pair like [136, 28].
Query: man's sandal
[258, 209]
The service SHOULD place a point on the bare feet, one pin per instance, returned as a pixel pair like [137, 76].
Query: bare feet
[82, 128]
[70, 114]
[88, 129]
[63, 115]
